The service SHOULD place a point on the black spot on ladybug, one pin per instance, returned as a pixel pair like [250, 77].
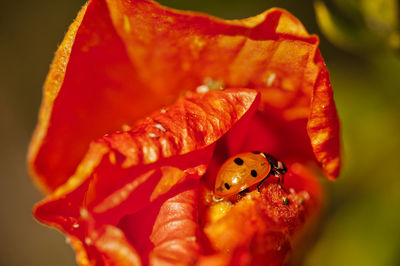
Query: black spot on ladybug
[227, 186]
[253, 173]
[238, 161]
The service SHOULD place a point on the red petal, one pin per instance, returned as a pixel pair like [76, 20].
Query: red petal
[90, 89]
[323, 125]
[115, 248]
[166, 231]
[271, 52]
[125, 172]
[122, 59]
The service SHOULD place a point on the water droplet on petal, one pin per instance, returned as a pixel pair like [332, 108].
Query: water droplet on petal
[213, 84]
[88, 241]
[84, 213]
[202, 89]
[270, 80]
[160, 127]
[191, 238]
[152, 135]
[126, 127]
[306, 196]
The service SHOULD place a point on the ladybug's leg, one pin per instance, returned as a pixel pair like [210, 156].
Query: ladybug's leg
[259, 184]
[280, 178]
[243, 193]
[278, 175]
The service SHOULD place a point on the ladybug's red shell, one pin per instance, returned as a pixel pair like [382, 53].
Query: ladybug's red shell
[240, 172]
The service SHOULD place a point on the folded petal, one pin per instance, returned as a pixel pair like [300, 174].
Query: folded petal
[126, 173]
[271, 52]
[133, 196]
[176, 230]
[115, 248]
[123, 59]
[323, 126]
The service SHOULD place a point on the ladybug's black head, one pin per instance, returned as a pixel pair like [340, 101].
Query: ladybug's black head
[275, 164]
[281, 167]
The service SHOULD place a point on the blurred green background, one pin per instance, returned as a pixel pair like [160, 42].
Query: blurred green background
[359, 41]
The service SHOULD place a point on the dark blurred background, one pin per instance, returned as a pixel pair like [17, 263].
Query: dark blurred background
[359, 42]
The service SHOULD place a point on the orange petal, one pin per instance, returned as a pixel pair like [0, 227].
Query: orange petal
[115, 249]
[271, 52]
[323, 126]
[125, 172]
[175, 231]
[90, 90]
[120, 60]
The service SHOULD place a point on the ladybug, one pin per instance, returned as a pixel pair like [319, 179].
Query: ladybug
[243, 170]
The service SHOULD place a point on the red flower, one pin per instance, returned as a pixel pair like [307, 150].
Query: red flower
[143, 195]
